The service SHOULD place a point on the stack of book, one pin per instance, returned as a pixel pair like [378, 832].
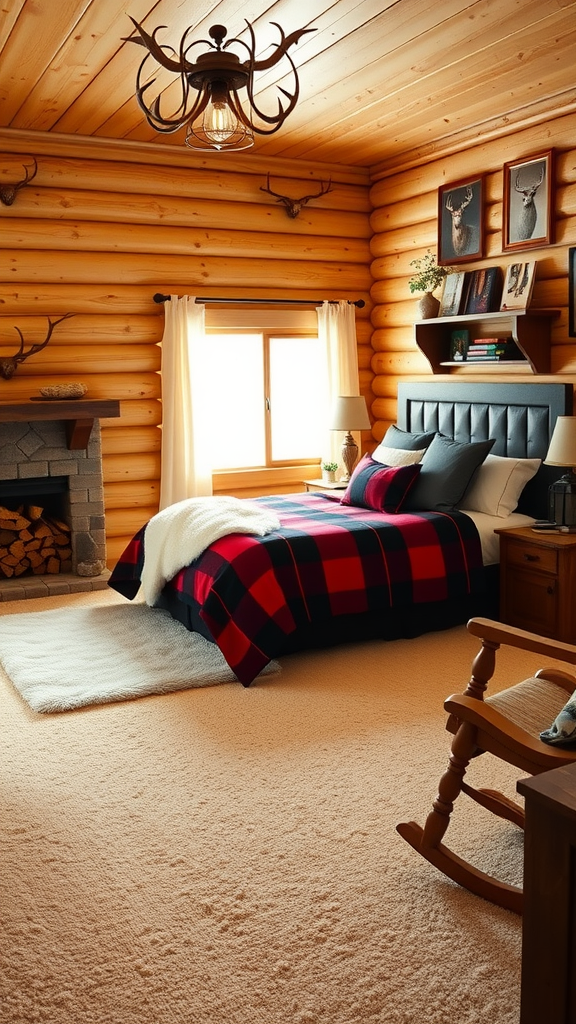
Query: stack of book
[490, 350]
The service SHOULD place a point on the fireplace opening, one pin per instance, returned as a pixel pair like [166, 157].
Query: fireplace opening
[35, 532]
[46, 491]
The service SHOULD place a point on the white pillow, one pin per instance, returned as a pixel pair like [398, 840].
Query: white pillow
[396, 456]
[497, 485]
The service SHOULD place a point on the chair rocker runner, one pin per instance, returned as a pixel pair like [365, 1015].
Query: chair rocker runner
[507, 725]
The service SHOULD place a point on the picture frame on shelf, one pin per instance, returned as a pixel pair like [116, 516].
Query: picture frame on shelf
[484, 291]
[518, 286]
[572, 292]
[528, 209]
[461, 221]
[453, 294]
[459, 341]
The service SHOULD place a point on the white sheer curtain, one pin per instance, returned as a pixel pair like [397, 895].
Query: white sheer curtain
[337, 328]
[185, 469]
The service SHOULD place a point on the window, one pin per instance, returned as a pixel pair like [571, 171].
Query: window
[271, 398]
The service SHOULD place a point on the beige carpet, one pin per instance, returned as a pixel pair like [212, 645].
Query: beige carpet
[229, 856]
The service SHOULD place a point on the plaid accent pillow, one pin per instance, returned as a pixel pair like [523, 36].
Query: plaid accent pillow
[378, 487]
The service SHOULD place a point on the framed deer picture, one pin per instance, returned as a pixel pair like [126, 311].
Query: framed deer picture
[528, 214]
[461, 221]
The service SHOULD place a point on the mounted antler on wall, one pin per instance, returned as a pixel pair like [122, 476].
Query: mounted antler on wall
[294, 206]
[9, 366]
[8, 193]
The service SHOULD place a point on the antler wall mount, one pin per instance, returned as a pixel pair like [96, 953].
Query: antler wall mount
[8, 193]
[9, 365]
[210, 106]
[294, 206]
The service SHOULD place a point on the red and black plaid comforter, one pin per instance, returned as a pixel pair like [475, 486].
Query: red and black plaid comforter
[248, 594]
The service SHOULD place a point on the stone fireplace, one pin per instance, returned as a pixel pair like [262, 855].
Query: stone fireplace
[53, 454]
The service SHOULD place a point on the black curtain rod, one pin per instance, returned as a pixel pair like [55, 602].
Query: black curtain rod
[158, 297]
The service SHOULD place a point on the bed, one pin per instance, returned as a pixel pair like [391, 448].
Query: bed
[396, 556]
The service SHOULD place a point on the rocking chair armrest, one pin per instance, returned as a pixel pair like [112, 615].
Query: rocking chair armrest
[511, 636]
[493, 725]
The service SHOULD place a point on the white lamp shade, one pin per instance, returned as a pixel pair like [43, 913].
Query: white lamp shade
[349, 412]
[562, 450]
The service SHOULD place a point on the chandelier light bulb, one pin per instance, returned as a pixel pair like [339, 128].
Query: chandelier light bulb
[219, 123]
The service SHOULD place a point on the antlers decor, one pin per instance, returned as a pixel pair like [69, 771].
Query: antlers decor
[9, 366]
[8, 193]
[209, 103]
[294, 206]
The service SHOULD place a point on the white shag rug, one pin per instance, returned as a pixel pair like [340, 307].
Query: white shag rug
[71, 657]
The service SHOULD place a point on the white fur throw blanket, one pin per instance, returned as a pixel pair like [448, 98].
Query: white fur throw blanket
[180, 533]
[562, 732]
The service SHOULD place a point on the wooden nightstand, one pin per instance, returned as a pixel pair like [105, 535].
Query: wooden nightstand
[324, 485]
[538, 582]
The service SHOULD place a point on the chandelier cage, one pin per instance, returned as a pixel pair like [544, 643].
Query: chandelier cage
[210, 106]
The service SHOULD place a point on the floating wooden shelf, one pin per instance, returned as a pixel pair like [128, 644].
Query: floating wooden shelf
[79, 415]
[530, 329]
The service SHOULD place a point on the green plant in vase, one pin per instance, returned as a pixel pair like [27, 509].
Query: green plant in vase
[329, 471]
[427, 278]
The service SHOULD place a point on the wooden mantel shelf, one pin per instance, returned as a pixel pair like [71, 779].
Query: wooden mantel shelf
[79, 415]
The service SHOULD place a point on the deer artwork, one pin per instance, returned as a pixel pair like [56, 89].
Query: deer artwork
[527, 215]
[9, 365]
[8, 193]
[294, 206]
[462, 233]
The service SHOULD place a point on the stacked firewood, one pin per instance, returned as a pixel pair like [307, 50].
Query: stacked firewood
[32, 541]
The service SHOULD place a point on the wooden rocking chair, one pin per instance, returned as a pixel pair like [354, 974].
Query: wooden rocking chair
[508, 725]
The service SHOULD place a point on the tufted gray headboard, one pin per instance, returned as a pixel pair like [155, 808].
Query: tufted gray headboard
[520, 417]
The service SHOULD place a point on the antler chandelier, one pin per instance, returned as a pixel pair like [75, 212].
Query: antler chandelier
[210, 106]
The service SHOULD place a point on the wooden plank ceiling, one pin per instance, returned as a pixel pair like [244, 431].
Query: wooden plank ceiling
[380, 80]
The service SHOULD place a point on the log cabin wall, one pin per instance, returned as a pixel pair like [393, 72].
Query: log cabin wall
[404, 223]
[104, 226]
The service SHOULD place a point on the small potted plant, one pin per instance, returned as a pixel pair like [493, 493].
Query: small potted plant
[329, 471]
[426, 279]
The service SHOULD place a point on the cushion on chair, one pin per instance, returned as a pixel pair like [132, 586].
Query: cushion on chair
[532, 705]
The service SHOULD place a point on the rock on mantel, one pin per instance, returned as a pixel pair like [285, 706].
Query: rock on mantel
[79, 415]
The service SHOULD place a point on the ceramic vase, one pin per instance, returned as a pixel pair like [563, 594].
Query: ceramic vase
[428, 306]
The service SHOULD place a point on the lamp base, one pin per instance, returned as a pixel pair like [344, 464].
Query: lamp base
[349, 456]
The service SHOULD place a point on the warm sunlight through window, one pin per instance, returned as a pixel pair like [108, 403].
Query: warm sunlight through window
[298, 398]
[272, 399]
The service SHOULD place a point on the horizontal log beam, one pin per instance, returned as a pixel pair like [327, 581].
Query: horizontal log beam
[93, 238]
[56, 298]
[175, 165]
[53, 204]
[187, 273]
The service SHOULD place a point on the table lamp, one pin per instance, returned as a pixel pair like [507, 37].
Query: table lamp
[562, 493]
[349, 413]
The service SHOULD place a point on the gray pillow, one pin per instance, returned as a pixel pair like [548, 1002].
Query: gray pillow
[397, 438]
[447, 468]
